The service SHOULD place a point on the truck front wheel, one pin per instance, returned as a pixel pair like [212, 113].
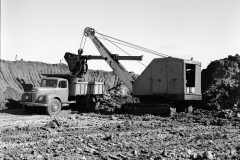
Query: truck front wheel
[54, 108]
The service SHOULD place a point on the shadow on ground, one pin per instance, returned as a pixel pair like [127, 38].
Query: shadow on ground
[14, 108]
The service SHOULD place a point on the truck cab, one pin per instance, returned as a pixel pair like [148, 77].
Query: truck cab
[53, 92]
[57, 85]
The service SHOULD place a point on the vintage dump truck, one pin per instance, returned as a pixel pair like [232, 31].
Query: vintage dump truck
[60, 90]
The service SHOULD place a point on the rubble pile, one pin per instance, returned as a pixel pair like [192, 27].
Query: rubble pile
[114, 98]
[220, 83]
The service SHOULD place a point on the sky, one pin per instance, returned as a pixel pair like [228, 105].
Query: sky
[44, 30]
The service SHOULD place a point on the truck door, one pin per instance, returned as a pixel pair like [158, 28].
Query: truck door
[62, 90]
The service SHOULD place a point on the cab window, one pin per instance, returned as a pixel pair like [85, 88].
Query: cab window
[49, 83]
[62, 84]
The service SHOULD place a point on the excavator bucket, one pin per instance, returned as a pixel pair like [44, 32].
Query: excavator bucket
[77, 64]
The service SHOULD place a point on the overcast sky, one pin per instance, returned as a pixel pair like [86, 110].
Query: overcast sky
[43, 30]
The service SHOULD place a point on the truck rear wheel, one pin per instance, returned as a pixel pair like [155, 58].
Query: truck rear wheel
[54, 108]
[92, 103]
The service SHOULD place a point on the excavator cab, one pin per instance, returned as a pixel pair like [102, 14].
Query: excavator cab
[190, 78]
[169, 80]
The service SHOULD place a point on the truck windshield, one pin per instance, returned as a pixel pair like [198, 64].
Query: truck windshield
[49, 83]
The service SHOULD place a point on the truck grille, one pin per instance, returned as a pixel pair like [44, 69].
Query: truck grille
[29, 97]
[34, 96]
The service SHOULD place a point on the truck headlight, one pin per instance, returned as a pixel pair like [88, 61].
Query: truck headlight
[26, 97]
[41, 99]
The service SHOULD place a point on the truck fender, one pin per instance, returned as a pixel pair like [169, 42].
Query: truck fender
[52, 96]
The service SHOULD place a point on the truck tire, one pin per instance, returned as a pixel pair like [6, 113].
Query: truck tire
[54, 108]
[92, 103]
[80, 106]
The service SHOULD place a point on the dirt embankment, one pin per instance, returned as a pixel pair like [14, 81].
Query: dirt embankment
[19, 76]
[220, 83]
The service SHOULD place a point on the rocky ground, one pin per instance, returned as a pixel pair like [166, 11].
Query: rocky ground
[72, 135]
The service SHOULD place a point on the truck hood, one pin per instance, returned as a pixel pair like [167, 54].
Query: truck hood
[41, 90]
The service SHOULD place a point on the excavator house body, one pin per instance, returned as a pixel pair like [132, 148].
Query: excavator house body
[169, 79]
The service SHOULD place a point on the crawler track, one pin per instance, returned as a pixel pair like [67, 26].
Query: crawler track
[165, 110]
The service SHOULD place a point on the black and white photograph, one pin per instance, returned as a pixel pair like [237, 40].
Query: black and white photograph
[120, 80]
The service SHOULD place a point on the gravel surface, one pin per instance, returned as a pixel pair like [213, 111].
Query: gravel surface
[70, 135]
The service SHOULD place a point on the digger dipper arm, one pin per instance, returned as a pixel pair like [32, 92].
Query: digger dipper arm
[116, 66]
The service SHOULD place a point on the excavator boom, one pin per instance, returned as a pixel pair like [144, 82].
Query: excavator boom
[117, 67]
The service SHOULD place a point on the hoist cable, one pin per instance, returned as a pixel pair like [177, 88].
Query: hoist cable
[81, 41]
[116, 42]
[141, 48]
[84, 42]
[122, 49]
[126, 45]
